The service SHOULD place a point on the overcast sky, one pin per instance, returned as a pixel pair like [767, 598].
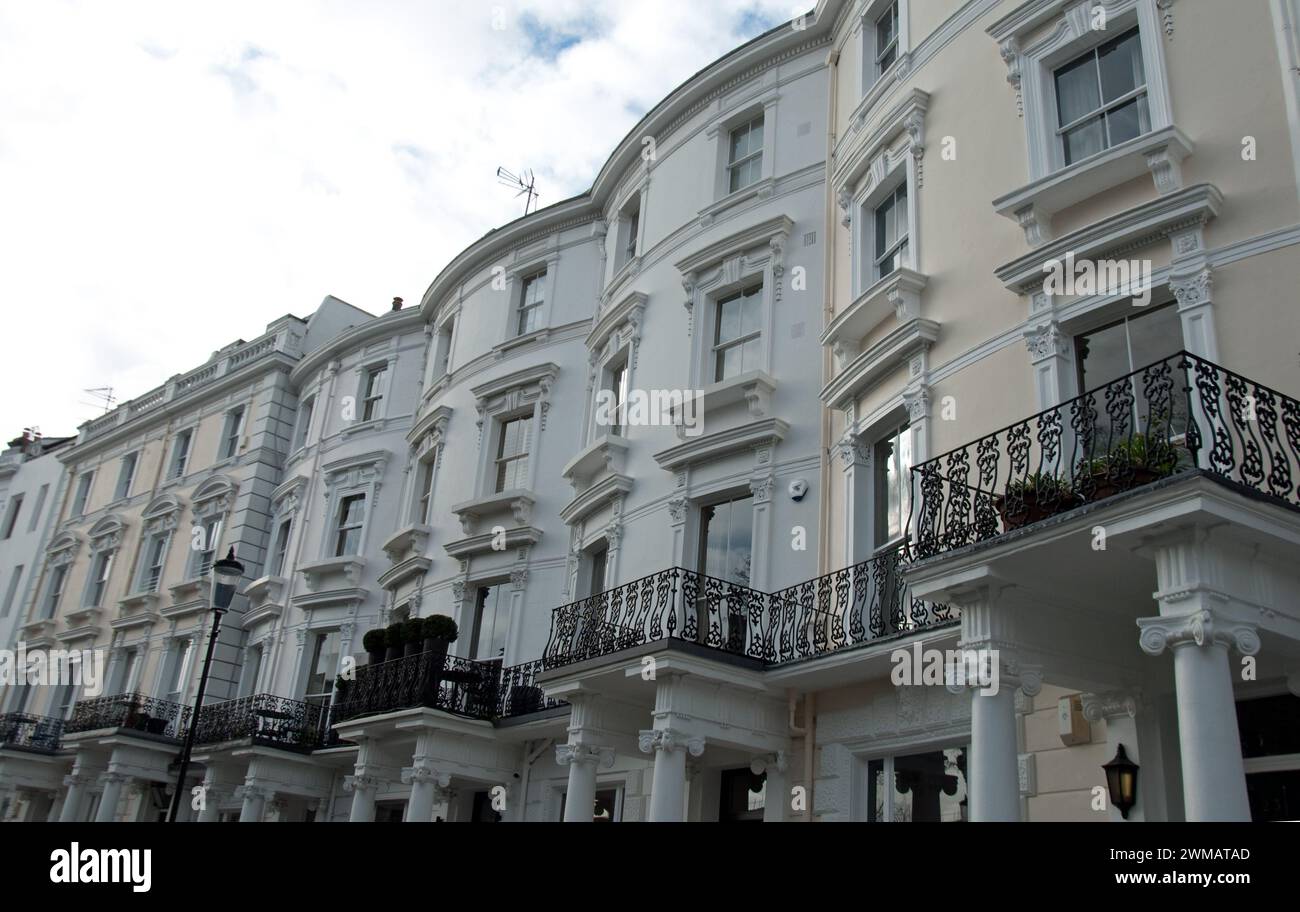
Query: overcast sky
[175, 175]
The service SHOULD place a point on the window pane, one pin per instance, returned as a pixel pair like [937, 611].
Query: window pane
[750, 354]
[1155, 335]
[739, 144]
[876, 791]
[900, 212]
[729, 319]
[1129, 121]
[1084, 140]
[1076, 89]
[756, 136]
[1121, 66]
[728, 363]
[752, 312]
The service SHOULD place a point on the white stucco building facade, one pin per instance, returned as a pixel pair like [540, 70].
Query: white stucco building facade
[694, 458]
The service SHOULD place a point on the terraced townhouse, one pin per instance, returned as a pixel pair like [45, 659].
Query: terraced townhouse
[907, 441]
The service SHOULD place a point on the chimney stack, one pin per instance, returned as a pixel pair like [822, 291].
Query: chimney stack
[397, 304]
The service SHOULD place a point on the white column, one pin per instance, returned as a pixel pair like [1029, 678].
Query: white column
[363, 789]
[992, 672]
[1214, 777]
[583, 760]
[1051, 355]
[254, 798]
[668, 789]
[212, 798]
[859, 497]
[425, 782]
[113, 784]
[74, 801]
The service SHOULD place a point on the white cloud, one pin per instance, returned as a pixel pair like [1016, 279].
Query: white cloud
[175, 176]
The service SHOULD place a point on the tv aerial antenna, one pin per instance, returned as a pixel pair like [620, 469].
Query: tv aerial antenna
[105, 396]
[525, 184]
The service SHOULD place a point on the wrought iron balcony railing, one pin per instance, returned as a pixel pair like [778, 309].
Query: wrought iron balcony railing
[520, 695]
[133, 712]
[1181, 415]
[430, 679]
[264, 719]
[860, 604]
[39, 733]
[840, 610]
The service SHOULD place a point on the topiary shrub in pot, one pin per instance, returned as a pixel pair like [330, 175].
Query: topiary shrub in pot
[375, 644]
[395, 641]
[413, 636]
[439, 632]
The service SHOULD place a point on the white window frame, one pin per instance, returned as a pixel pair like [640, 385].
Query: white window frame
[180, 668]
[125, 479]
[718, 134]
[717, 347]
[338, 527]
[872, 72]
[146, 567]
[345, 478]
[878, 260]
[863, 811]
[280, 545]
[232, 431]
[426, 485]
[212, 527]
[178, 463]
[537, 279]
[497, 459]
[55, 589]
[98, 579]
[759, 121]
[525, 392]
[367, 396]
[302, 430]
[316, 636]
[444, 347]
[1035, 66]
[81, 497]
[865, 267]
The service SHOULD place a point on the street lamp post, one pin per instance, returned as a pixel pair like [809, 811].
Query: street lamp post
[225, 580]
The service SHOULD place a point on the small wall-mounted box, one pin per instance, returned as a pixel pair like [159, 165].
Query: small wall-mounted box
[1074, 727]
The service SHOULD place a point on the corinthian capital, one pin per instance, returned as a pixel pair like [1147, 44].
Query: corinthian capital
[1200, 628]
[567, 754]
[663, 739]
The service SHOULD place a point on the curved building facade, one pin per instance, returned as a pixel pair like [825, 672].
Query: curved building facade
[820, 462]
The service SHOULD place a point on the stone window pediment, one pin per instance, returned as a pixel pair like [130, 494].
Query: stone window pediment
[163, 514]
[107, 534]
[215, 497]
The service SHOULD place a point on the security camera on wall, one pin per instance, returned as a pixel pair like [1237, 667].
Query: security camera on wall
[798, 490]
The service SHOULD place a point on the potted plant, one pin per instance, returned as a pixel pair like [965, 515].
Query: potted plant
[413, 636]
[375, 645]
[1034, 498]
[341, 688]
[439, 632]
[1142, 459]
[395, 641]
[1095, 479]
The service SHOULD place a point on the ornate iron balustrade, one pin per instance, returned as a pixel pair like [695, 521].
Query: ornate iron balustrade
[520, 694]
[263, 719]
[454, 685]
[851, 607]
[133, 712]
[671, 604]
[1180, 415]
[31, 732]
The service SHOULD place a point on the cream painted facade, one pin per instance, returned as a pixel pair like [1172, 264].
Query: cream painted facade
[837, 235]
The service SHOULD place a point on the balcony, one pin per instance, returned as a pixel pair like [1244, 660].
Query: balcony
[856, 606]
[34, 733]
[131, 712]
[1179, 417]
[430, 680]
[264, 720]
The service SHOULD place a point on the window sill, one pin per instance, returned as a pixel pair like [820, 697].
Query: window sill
[518, 501]
[537, 335]
[374, 424]
[754, 388]
[898, 293]
[409, 542]
[333, 570]
[188, 588]
[1159, 153]
[605, 452]
[84, 617]
[265, 593]
[761, 190]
